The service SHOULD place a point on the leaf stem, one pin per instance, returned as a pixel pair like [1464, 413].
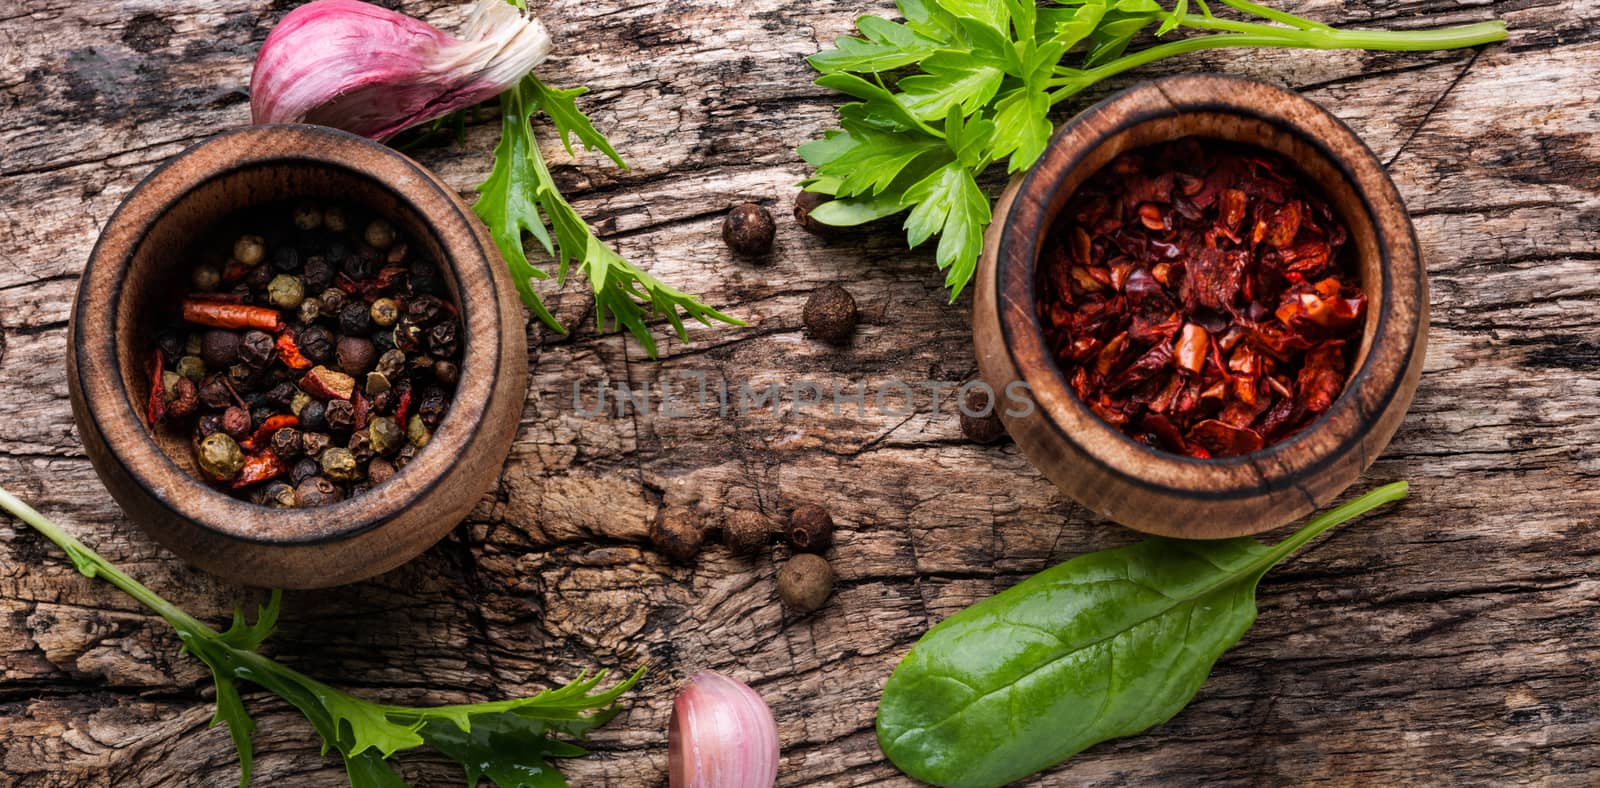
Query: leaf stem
[1274, 14]
[1340, 514]
[92, 565]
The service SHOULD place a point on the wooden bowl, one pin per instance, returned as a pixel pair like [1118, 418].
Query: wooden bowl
[143, 260]
[1163, 493]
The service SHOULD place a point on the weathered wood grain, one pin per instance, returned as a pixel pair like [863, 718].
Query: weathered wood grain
[1454, 639]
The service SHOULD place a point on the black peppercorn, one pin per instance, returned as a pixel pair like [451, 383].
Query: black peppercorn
[278, 495]
[382, 402]
[392, 364]
[804, 204]
[675, 532]
[830, 315]
[446, 372]
[980, 418]
[310, 310]
[432, 406]
[408, 336]
[208, 424]
[746, 531]
[170, 344]
[354, 319]
[360, 447]
[236, 422]
[748, 230]
[332, 300]
[313, 443]
[214, 393]
[810, 528]
[286, 443]
[359, 488]
[281, 395]
[425, 310]
[219, 348]
[257, 349]
[442, 340]
[318, 274]
[356, 355]
[317, 491]
[805, 582]
[423, 278]
[258, 277]
[316, 344]
[259, 415]
[303, 468]
[363, 264]
[407, 453]
[285, 259]
[340, 415]
[311, 416]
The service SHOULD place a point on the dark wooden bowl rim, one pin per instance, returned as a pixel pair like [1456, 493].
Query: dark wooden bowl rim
[1025, 223]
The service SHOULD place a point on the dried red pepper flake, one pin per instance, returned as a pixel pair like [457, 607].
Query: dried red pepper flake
[260, 467]
[1200, 297]
[221, 314]
[155, 408]
[289, 352]
[264, 432]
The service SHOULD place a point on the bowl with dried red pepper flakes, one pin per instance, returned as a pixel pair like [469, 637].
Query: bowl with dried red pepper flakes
[297, 358]
[1198, 297]
[1214, 293]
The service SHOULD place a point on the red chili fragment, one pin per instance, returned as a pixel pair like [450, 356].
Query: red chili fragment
[155, 408]
[289, 352]
[1199, 297]
[264, 432]
[224, 315]
[259, 467]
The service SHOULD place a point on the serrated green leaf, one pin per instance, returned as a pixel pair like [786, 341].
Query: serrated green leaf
[1116, 31]
[370, 770]
[249, 637]
[990, 12]
[834, 143]
[885, 46]
[872, 161]
[853, 211]
[950, 203]
[951, 80]
[1022, 127]
[928, 19]
[512, 751]
[969, 140]
[231, 711]
[562, 107]
[878, 109]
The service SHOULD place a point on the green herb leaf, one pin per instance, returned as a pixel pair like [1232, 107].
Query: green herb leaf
[499, 739]
[950, 203]
[1107, 644]
[520, 196]
[1004, 60]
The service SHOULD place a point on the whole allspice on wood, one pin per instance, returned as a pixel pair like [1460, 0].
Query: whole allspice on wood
[805, 582]
[676, 531]
[810, 528]
[830, 315]
[980, 417]
[748, 230]
[746, 531]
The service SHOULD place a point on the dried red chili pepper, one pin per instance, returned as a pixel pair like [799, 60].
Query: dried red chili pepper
[264, 432]
[362, 405]
[155, 408]
[289, 352]
[402, 406]
[258, 468]
[1177, 296]
[225, 315]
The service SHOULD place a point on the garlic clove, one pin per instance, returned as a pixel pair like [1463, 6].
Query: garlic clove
[721, 735]
[368, 70]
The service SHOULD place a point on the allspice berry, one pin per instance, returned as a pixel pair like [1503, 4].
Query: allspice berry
[746, 531]
[676, 532]
[804, 582]
[804, 204]
[830, 315]
[748, 230]
[810, 528]
[980, 428]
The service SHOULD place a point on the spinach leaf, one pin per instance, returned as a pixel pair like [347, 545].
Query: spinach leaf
[1104, 645]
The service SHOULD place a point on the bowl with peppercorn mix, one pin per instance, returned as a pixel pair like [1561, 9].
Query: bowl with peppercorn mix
[1214, 295]
[297, 360]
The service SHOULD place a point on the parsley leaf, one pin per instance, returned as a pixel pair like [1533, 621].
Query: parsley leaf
[520, 196]
[987, 73]
[508, 741]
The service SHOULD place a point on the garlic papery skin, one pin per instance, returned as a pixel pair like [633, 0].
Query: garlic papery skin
[368, 70]
[721, 735]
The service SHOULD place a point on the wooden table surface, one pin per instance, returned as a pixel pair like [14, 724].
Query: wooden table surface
[1453, 639]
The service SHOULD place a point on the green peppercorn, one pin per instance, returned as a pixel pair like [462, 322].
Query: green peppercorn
[377, 383]
[385, 435]
[206, 278]
[379, 234]
[334, 219]
[279, 495]
[417, 432]
[298, 402]
[317, 491]
[169, 383]
[339, 465]
[307, 217]
[219, 457]
[385, 312]
[250, 249]
[286, 292]
[192, 368]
